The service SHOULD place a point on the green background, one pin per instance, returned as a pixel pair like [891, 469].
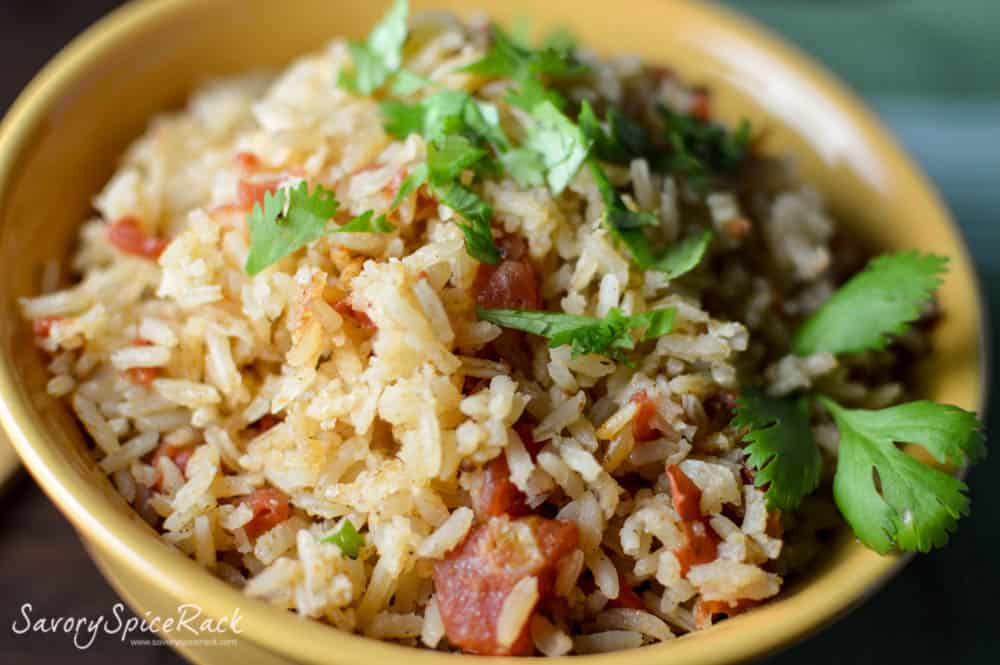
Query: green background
[931, 69]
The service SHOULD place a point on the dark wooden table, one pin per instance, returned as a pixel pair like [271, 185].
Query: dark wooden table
[942, 609]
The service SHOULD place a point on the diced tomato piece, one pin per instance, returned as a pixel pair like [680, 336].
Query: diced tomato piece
[704, 610]
[643, 428]
[525, 431]
[143, 376]
[43, 327]
[472, 581]
[498, 495]
[179, 455]
[270, 508]
[700, 106]
[247, 161]
[627, 597]
[344, 308]
[127, 236]
[512, 283]
[701, 542]
[250, 192]
[684, 493]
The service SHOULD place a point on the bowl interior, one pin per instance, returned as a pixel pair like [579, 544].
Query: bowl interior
[61, 141]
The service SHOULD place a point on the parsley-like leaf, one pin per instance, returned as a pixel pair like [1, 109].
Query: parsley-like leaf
[288, 220]
[701, 149]
[560, 144]
[780, 447]
[507, 58]
[347, 539]
[610, 336]
[380, 55]
[682, 256]
[890, 499]
[880, 301]
[623, 141]
[626, 225]
[366, 222]
[479, 241]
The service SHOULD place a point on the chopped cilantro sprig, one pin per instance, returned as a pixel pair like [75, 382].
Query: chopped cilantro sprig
[291, 218]
[347, 539]
[880, 301]
[610, 336]
[380, 55]
[890, 499]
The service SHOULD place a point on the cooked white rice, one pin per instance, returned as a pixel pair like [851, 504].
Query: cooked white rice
[379, 427]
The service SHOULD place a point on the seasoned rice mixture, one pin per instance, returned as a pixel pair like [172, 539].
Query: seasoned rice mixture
[344, 434]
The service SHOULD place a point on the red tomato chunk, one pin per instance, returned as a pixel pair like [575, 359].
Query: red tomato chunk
[270, 508]
[179, 455]
[473, 581]
[43, 327]
[701, 544]
[127, 236]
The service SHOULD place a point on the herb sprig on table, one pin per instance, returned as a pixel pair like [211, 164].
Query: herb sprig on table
[890, 499]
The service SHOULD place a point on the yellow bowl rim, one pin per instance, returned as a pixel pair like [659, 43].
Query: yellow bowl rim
[282, 632]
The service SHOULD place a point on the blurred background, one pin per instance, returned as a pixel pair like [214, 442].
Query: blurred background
[930, 68]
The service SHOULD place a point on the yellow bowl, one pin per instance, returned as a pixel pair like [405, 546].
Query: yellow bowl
[60, 141]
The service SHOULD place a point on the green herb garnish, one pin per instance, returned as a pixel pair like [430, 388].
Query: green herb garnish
[626, 225]
[622, 141]
[889, 498]
[780, 447]
[880, 301]
[292, 218]
[380, 55]
[610, 336]
[509, 59]
[347, 539]
[701, 149]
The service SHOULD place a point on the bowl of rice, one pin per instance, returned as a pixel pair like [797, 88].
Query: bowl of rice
[360, 333]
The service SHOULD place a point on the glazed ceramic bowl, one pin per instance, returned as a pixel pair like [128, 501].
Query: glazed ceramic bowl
[60, 142]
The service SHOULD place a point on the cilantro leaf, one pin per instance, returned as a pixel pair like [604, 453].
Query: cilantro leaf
[560, 144]
[289, 219]
[623, 141]
[610, 336]
[479, 241]
[380, 55]
[780, 447]
[531, 93]
[449, 157]
[702, 149]
[880, 301]
[347, 539]
[890, 499]
[626, 226]
[684, 255]
[507, 58]
[366, 222]
[405, 83]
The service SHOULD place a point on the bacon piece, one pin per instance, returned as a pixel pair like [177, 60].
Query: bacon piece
[179, 455]
[344, 308]
[512, 283]
[127, 236]
[250, 192]
[43, 327]
[270, 508]
[701, 544]
[473, 581]
[704, 610]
